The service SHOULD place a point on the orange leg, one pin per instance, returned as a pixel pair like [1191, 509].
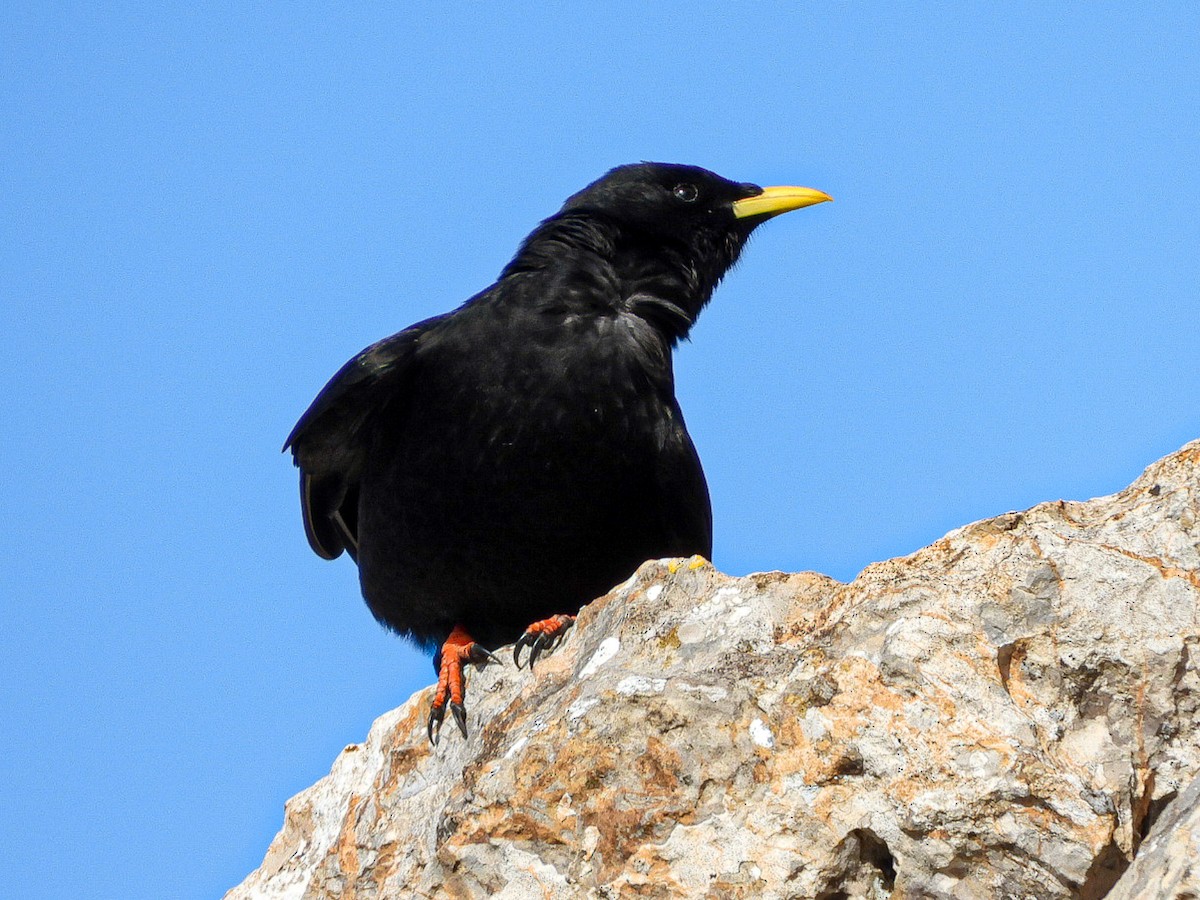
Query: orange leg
[544, 634]
[460, 648]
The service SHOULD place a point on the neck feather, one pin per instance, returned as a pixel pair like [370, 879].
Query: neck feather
[595, 262]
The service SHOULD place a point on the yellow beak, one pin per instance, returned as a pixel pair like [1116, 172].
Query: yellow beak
[775, 200]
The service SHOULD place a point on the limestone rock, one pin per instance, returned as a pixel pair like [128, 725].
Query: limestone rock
[1167, 866]
[1002, 714]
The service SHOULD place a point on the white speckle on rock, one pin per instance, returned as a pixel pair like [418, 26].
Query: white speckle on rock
[761, 734]
[710, 609]
[518, 744]
[737, 615]
[653, 591]
[711, 692]
[977, 763]
[640, 684]
[579, 708]
[608, 648]
[795, 783]
[815, 726]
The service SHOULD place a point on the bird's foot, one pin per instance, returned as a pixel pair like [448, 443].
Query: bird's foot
[545, 634]
[460, 648]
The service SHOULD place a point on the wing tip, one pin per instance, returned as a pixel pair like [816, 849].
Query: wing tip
[325, 542]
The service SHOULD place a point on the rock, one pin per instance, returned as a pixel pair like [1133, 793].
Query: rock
[1002, 714]
[1167, 866]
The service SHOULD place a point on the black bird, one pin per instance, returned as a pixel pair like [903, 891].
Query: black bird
[505, 463]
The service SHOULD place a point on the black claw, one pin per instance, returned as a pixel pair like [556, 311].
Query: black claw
[460, 717]
[482, 655]
[541, 643]
[525, 640]
[436, 714]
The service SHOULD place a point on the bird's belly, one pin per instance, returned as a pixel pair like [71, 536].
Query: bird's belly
[494, 520]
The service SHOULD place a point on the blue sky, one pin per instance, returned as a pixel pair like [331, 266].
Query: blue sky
[206, 211]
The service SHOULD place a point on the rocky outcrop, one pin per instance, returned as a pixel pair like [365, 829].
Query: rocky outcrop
[1005, 713]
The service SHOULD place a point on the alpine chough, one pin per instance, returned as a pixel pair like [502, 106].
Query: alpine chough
[494, 468]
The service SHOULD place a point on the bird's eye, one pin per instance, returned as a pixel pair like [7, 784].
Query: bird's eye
[685, 192]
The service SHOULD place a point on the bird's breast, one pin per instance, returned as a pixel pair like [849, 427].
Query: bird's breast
[539, 394]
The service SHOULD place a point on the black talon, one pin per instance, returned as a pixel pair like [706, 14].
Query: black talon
[525, 640]
[482, 655]
[541, 643]
[436, 714]
[460, 717]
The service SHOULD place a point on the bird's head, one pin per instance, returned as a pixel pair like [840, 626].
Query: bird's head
[669, 233]
[677, 202]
